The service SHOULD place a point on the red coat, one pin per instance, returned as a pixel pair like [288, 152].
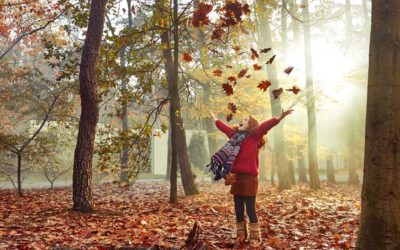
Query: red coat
[246, 161]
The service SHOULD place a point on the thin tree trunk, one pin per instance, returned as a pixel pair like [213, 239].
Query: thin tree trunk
[301, 164]
[265, 40]
[284, 31]
[330, 172]
[273, 167]
[19, 173]
[124, 112]
[349, 22]
[82, 171]
[292, 172]
[380, 199]
[169, 156]
[312, 122]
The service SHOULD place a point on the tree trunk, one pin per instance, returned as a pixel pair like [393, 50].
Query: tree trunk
[312, 122]
[349, 22]
[366, 16]
[169, 156]
[301, 164]
[330, 171]
[171, 65]
[273, 167]
[265, 41]
[284, 31]
[19, 173]
[82, 171]
[292, 172]
[380, 199]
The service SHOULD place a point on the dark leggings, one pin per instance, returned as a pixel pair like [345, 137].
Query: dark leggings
[250, 202]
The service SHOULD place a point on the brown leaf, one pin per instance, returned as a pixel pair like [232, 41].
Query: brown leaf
[227, 88]
[277, 92]
[263, 85]
[271, 60]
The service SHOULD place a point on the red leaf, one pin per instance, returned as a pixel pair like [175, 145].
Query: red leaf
[187, 57]
[232, 79]
[294, 89]
[254, 54]
[277, 92]
[257, 67]
[242, 73]
[229, 117]
[227, 88]
[288, 70]
[228, 66]
[217, 33]
[217, 72]
[232, 107]
[265, 50]
[200, 15]
[236, 49]
[263, 85]
[271, 60]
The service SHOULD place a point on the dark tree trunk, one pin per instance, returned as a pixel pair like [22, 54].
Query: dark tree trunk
[82, 171]
[265, 41]
[19, 173]
[380, 199]
[301, 164]
[330, 171]
[312, 122]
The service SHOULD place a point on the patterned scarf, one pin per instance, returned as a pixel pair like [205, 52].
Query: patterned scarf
[222, 161]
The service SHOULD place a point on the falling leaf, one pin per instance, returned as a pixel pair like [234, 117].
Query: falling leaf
[271, 60]
[232, 107]
[229, 117]
[217, 33]
[200, 15]
[257, 67]
[217, 72]
[294, 89]
[228, 66]
[227, 88]
[265, 50]
[288, 70]
[248, 76]
[236, 49]
[232, 78]
[254, 54]
[263, 85]
[242, 73]
[277, 92]
[187, 57]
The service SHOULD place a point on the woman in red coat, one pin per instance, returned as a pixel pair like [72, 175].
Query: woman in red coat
[237, 163]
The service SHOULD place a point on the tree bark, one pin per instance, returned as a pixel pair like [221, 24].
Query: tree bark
[380, 199]
[19, 173]
[311, 116]
[82, 171]
[301, 164]
[265, 41]
[330, 171]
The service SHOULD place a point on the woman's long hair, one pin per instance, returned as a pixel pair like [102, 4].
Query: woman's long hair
[253, 125]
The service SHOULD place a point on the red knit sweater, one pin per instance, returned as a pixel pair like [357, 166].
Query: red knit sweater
[246, 161]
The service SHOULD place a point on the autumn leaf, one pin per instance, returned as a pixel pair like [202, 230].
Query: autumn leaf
[227, 88]
[187, 57]
[232, 79]
[265, 50]
[242, 73]
[232, 107]
[200, 15]
[294, 89]
[217, 33]
[271, 60]
[228, 66]
[248, 76]
[254, 54]
[236, 49]
[217, 72]
[257, 67]
[229, 117]
[263, 85]
[277, 92]
[288, 70]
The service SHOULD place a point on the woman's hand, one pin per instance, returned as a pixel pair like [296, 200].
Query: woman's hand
[230, 179]
[285, 113]
[212, 115]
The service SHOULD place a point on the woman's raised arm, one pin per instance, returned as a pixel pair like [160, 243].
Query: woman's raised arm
[222, 126]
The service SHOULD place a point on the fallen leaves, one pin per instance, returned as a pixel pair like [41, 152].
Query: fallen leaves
[142, 216]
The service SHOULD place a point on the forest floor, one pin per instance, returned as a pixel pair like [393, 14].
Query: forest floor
[142, 216]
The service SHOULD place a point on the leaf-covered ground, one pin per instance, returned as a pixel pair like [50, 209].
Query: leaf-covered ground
[141, 216]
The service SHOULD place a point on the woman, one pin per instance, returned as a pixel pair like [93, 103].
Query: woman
[237, 163]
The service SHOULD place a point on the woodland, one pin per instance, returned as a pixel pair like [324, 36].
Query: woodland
[106, 130]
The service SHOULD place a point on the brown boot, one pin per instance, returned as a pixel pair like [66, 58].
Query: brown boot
[241, 232]
[255, 235]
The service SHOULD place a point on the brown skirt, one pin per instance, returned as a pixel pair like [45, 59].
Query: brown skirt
[246, 185]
